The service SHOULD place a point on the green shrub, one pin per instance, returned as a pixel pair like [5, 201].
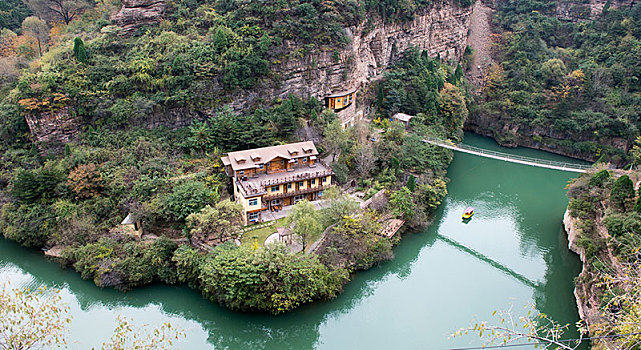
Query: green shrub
[266, 279]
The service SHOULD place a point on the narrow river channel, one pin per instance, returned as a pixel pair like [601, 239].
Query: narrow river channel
[513, 253]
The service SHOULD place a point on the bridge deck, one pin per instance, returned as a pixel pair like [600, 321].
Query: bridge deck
[541, 163]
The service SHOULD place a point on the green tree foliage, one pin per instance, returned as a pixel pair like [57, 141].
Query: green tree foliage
[217, 224]
[411, 183]
[32, 185]
[622, 192]
[599, 178]
[429, 196]
[124, 264]
[568, 77]
[355, 244]
[30, 225]
[267, 279]
[402, 203]
[187, 198]
[12, 13]
[305, 221]
[79, 50]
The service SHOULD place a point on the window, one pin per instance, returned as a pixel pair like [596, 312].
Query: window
[338, 100]
[324, 179]
[295, 161]
[282, 161]
[304, 159]
[253, 202]
[261, 166]
[275, 188]
[252, 217]
[241, 172]
[301, 183]
[299, 198]
[289, 186]
[313, 181]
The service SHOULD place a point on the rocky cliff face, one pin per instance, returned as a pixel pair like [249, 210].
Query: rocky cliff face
[580, 10]
[52, 129]
[510, 134]
[440, 30]
[136, 13]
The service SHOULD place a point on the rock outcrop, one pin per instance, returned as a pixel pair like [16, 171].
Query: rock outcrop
[52, 130]
[374, 44]
[581, 10]
[136, 13]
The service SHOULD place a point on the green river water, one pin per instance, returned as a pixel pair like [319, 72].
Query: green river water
[513, 253]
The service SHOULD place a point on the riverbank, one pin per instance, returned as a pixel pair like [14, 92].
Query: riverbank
[600, 222]
[510, 255]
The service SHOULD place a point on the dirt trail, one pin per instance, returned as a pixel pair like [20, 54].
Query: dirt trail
[480, 41]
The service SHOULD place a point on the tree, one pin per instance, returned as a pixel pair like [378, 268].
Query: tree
[402, 204]
[39, 319]
[8, 42]
[216, 224]
[79, 50]
[516, 329]
[411, 183]
[452, 108]
[335, 138]
[32, 319]
[58, 10]
[622, 191]
[364, 160]
[188, 197]
[38, 30]
[85, 181]
[305, 221]
[267, 279]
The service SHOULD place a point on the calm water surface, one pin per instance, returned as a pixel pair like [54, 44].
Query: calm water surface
[513, 253]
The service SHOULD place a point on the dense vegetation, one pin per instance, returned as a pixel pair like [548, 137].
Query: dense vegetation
[117, 90]
[607, 214]
[574, 86]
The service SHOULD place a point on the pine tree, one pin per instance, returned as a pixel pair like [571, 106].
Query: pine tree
[79, 50]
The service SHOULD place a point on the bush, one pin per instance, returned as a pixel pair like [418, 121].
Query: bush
[266, 279]
[188, 197]
[622, 192]
[599, 178]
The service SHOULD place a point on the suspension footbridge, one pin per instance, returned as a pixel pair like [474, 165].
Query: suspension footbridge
[512, 158]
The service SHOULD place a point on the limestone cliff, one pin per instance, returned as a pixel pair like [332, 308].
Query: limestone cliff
[136, 13]
[510, 134]
[374, 45]
[581, 10]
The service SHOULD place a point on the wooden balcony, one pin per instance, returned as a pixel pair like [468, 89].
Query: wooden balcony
[295, 193]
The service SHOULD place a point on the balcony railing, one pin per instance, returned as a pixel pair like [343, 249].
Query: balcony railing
[297, 177]
[295, 193]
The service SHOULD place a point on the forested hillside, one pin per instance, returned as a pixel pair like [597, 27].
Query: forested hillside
[569, 87]
[85, 139]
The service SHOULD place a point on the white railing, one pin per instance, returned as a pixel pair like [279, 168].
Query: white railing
[544, 163]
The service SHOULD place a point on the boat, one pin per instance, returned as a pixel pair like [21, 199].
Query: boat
[467, 214]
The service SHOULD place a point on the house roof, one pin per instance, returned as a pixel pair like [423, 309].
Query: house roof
[129, 220]
[248, 159]
[341, 94]
[403, 117]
